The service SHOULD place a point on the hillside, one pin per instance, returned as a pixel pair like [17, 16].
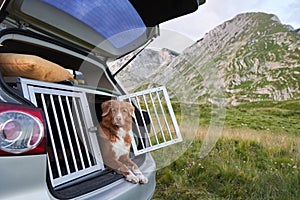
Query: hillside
[143, 66]
[250, 58]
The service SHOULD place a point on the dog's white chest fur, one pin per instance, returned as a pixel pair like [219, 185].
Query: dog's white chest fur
[119, 147]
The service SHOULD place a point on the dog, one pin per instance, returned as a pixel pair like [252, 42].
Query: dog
[115, 139]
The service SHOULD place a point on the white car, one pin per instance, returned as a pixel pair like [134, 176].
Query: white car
[48, 121]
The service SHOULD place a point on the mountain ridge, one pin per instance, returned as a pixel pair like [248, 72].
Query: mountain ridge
[251, 57]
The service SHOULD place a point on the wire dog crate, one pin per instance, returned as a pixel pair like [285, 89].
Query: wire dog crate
[157, 129]
[73, 148]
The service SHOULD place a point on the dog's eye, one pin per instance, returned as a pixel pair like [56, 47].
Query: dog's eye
[113, 110]
[124, 110]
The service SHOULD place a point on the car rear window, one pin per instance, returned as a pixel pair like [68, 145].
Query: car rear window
[117, 20]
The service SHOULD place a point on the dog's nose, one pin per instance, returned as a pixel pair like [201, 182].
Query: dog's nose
[118, 118]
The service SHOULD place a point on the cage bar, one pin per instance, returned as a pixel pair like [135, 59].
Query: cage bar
[73, 152]
[162, 129]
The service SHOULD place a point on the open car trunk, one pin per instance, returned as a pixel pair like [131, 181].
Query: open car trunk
[72, 108]
[73, 111]
[75, 164]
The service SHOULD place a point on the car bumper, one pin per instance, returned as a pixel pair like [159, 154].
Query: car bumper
[25, 178]
[123, 189]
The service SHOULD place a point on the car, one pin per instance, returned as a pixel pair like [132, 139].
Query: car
[50, 102]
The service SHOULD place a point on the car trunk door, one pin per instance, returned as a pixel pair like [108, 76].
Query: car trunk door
[108, 28]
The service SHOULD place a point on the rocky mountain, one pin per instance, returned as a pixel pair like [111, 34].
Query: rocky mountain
[142, 67]
[249, 58]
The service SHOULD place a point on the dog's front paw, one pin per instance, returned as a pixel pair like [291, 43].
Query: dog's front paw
[132, 178]
[142, 179]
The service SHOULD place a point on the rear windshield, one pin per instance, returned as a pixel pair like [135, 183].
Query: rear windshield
[116, 20]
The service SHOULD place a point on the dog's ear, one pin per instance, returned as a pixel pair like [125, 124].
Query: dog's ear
[105, 106]
[130, 109]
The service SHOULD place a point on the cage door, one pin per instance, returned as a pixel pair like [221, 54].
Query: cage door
[154, 125]
[73, 150]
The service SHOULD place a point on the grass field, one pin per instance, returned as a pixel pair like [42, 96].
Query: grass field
[257, 157]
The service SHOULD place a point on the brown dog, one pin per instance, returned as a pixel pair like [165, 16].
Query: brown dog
[115, 139]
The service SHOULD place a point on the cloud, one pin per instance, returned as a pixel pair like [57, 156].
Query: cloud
[293, 14]
[215, 12]
[171, 40]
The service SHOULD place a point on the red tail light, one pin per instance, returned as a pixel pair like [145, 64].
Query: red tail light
[22, 130]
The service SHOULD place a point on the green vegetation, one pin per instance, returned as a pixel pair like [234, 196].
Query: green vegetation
[275, 117]
[257, 157]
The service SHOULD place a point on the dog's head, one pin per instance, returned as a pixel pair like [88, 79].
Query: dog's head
[118, 113]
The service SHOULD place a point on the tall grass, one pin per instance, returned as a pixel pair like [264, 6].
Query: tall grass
[246, 162]
[239, 167]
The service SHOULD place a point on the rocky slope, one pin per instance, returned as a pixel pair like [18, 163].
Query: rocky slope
[142, 67]
[249, 58]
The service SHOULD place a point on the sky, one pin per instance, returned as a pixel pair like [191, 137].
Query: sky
[215, 12]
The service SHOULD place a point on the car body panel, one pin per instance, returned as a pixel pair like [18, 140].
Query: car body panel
[157, 12]
[25, 177]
